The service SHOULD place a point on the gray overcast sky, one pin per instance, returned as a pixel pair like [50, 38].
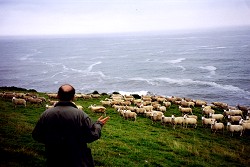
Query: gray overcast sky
[28, 17]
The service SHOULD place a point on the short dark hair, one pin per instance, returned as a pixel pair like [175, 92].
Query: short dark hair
[66, 93]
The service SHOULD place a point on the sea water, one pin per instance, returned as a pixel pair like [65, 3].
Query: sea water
[211, 65]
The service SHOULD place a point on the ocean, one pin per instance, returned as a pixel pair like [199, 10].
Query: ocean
[211, 65]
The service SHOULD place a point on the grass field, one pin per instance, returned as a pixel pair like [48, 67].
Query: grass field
[125, 142]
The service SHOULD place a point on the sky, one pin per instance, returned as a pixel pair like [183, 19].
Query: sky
[45, 17]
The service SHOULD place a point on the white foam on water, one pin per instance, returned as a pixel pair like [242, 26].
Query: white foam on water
[140, 93]
[210, 69]
[179, 60]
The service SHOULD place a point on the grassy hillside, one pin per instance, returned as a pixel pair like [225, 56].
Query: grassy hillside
[125, 142]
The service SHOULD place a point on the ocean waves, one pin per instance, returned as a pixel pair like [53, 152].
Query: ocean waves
[207, 66]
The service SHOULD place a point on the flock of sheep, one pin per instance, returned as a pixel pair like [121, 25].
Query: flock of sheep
[154, 107]
[235, 118]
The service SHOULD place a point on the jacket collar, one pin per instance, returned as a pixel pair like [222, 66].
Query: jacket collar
[65, 103]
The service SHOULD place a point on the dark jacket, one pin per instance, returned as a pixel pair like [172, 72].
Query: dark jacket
[65, 131]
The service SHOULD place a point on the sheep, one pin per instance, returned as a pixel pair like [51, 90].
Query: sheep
[147, 114]
[79, 107]
[184, 110]
[160, 99]
[217, 117]
[19, 95]
[42, 98]
[245, 124]
[106, 102]
[171, 99]
[207, 111]
[166, 120]
[52, 102]
[95, 95]
[200, 103]
[48, 107]
[234, 128]
[35, 100]
[8, 95]
[189, 121]
[184, 103]
[155, 105]
[86, 96]
[192, 116]
[97, 109]
[129, 98]
[129, 114]
[233, 119]
[177, 121]
[16, 102]
[236, 112]
[148, 108]
[244, 121]
[177, 102]
[191, 104]
[140, 110]
[215, 126]
[162, 108]
[207, 121]
[221, 105]
[146, 98]
[167, 104]
[156, 116]
[117, 107]
[52, 95]
[244, 109]
[132, 108]
[125, 103]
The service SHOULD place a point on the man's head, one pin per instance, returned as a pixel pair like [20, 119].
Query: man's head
[66, 93]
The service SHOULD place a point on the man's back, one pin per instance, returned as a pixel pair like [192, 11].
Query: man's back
[64, 135]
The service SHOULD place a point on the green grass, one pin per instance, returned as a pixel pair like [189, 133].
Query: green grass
[125, 142]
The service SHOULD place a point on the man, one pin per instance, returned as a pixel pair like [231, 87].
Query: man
[66, 130]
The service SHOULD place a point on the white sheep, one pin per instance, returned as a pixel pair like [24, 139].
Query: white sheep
[79, 107]
[129, 114]
[236, 112]
[184, 103]
[166, 120]
[140, 110]
[34, 100]
[16, 102]
[245, 124]
[177, 121]
[189, 121]
[52, 102]
[207, 110]
[147, 113]
[185, 110]
[148, 108]
[86, 96]
[200, 103]
[162, 108]
[191, 104]
[244, 121]
[215, 126]
[218, 117]
[207, 121]
[192, 116]
[106, 103]
[98, 109]
[234, 128]
[167, 104]
[156, 116]
[234, 118]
